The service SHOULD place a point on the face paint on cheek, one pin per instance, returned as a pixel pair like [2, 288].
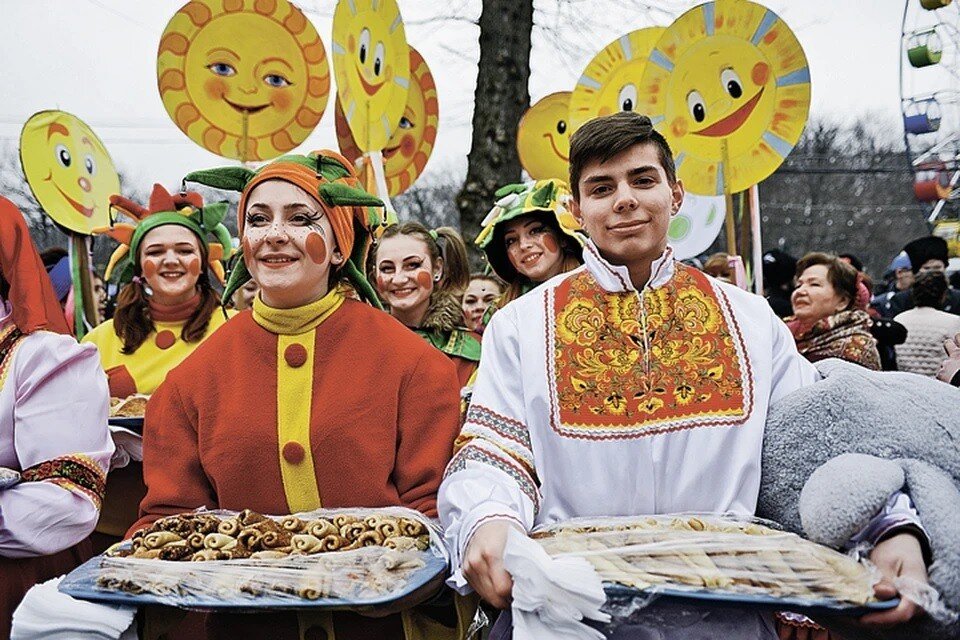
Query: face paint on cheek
[150, 269]
[193, 267]
[550, 244]
[382, 282]
[245, 245]
[316, 248]
[425, 280]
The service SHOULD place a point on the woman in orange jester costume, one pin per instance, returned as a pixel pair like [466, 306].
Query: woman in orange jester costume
[310, 398]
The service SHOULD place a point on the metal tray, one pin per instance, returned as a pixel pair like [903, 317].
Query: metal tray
[822, 607]
[81, 584]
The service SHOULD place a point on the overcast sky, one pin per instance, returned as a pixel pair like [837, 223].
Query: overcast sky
[97, 60]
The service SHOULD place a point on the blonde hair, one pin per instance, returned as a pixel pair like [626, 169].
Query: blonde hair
[443, 243]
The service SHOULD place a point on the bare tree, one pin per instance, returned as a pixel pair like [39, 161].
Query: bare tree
[844, 188]
[500, 99]
[431, 201]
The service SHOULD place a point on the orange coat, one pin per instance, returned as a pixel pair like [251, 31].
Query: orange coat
[383, 415]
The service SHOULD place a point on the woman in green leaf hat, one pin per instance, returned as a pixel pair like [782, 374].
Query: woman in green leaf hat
[310, 399]
[167, 308]
[529, 236]
[164, 312]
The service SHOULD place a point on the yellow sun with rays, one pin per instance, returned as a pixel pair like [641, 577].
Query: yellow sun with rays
[245, 79]
[611, 81]
[69, 170]
[372, 66]
[729, 87]
[543, 138]
[407, 151]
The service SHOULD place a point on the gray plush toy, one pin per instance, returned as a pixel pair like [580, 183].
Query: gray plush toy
[834, 451]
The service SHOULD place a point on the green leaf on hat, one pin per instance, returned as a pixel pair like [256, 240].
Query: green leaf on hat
[213, 214]
[510, 188]
[331, 168]
[338, 194]
[223, 237]
[295, 158]
[544, 196]
[360, 283]
[227, 178]
[238, 277]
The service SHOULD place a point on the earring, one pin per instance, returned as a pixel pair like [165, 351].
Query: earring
[436, 278]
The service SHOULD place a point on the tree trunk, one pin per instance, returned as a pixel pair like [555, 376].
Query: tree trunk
[500, 99]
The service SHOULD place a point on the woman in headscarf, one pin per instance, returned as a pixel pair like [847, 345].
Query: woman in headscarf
[829, 312]
[54, 445]
[351, 410]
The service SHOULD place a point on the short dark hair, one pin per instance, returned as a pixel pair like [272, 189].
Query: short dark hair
[606, 136]
[841, 276]
[929, 289]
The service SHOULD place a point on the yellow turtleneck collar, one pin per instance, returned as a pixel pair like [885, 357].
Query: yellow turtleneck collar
[298, 319]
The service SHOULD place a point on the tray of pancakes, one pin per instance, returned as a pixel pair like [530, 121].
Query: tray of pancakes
[717, 560]
[349, 558]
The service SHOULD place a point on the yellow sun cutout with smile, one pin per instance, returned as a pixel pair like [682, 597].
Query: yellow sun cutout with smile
[69, 170]
[543, 138]
[729, 87]
[611, 80]
[411, 144]
[372, 66]
[245, 79]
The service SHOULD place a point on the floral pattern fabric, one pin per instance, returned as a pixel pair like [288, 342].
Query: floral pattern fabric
[76, 473]
[845, 335]
[628, 365]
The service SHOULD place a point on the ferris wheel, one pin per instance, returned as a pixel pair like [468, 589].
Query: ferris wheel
[930, 102]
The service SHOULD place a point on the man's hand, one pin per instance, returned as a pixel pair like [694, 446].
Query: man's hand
[483, 563]
[897, 556]
[950, 366]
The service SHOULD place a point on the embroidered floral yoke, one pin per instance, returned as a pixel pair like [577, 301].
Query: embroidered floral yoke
[593, 399]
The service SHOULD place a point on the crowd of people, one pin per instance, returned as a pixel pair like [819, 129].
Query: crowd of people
[908, 322]
[348, 363]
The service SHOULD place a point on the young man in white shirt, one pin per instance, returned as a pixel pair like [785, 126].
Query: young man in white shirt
[632, 385]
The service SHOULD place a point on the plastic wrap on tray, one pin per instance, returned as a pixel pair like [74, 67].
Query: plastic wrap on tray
[346, 554]
[718, 554]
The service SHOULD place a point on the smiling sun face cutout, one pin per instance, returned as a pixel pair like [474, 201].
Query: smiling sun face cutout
[69, 170]
[372, 66]
[245, 79]
[543, 138]
[729, 87]
[411, 144]
[611, 81]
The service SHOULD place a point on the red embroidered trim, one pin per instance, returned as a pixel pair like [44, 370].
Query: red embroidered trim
[77, 473]
[9, 341]
[604, 264]
[506, 463]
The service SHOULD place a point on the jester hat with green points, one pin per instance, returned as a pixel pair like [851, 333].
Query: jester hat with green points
[351, 210]
[184, 209]
[545, 197]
